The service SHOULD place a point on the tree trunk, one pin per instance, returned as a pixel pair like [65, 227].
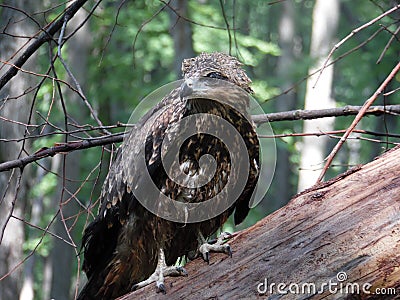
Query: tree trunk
[337, 237]
[181, 32]
[14, 107]
[287, 35]
[77, 56]
[318, 95]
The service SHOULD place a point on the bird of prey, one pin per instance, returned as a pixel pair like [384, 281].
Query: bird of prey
[128, 246]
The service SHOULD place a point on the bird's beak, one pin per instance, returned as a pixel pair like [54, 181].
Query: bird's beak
[186, 88]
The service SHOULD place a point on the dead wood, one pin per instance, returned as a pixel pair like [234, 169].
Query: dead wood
[348, 226]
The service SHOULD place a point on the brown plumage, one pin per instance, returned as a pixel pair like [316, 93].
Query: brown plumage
[122, 245]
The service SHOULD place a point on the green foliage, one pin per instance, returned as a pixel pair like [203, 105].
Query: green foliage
[41, 245]
[45, 187]
[132, 54]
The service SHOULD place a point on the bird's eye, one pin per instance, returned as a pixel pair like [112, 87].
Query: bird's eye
[216, 75]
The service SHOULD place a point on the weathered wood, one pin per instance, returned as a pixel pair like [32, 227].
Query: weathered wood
[350, 224]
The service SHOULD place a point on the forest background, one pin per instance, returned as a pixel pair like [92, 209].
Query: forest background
[87, 77]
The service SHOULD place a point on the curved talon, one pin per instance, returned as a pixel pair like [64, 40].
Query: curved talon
[216, 245]
[162, 271]
[182, 271]
[206, 257]
[161, 288]
[226, 235]
[229, 251]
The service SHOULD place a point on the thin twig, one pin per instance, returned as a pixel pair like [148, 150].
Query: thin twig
[394, 34]
[324, 113]
[63, 148]
[340, 57]
[324, 133]
[350, 35]
[258, 119]
[74, 80]
[357, 119]
[227, 26]
[13, 202]
[37, 43]
[42, 229]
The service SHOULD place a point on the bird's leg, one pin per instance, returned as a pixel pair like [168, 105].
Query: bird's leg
[162, 270]
[214, 246]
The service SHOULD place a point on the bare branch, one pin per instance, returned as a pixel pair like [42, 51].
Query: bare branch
[352, 33]
[394, 35]
[258, 119]
[357, 119]
[75, 81]
[43, 38]
[324, 113]
[60, 148]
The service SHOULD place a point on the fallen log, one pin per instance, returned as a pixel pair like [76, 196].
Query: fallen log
[338, 240]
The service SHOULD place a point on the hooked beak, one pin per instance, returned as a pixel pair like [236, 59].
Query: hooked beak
[186, 88]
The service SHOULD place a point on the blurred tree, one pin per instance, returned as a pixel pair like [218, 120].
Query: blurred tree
[136, 47]
[76, 57]
[284, 70]
[15, 108]
[318, 94]
[181, 33]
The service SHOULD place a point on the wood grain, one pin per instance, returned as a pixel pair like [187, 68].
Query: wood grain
[349, 224]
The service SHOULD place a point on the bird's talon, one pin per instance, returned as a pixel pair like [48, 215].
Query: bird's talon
[206, 257]
[182, 271]
[229, 251]
[161, 288]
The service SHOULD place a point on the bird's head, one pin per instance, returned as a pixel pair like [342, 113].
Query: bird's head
[216, 66]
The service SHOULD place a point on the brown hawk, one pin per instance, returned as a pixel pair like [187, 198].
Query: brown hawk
[133, 241]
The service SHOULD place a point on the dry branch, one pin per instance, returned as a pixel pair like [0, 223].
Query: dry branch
[43, 38]
[368, 103]
[258, 119]
[324, 113]
[60, 148]
[349, 224]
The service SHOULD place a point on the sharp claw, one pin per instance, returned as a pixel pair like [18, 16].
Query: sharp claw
[182, 271]
[206, 257]
[229, 251]
[228, 235]
[161, 288]
[134, 287]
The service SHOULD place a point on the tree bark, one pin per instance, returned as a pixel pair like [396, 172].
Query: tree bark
[344, 233]
[15, 104]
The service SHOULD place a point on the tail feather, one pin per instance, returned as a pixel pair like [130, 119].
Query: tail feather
[98, 245]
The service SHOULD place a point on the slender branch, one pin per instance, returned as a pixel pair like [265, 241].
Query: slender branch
[60, 148]
[74, 80]
[353, 32]
[329, 133]
[394, 34]
[42, 229]
[324, 113]
[228, 29]
[258, 119]
[357, 119]
[43, 38]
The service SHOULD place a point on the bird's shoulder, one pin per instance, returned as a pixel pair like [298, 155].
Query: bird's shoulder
[141, 146]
